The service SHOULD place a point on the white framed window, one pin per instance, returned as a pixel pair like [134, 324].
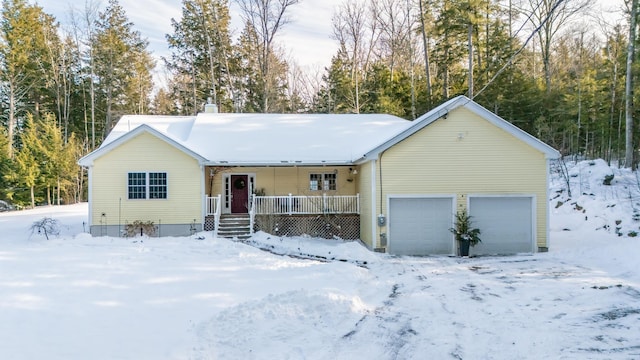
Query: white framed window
[147, 185]
[324, 181]
[158, 185]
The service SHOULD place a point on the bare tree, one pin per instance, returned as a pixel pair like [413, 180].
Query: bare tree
[424, 19]
[82, 28]
[550, 16]
[266, 17]
[349, 28]
[393, 20]
[303, 83]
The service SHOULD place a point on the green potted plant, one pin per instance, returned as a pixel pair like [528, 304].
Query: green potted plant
[465, 233]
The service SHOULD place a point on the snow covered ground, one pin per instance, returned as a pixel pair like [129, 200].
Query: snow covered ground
[78, 297]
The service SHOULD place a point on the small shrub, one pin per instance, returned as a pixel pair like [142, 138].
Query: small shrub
[608, 179]
[632, 233]
[47, 226]
[464, 230]
[139, 227]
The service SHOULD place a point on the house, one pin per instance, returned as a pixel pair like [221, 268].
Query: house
[392, 183]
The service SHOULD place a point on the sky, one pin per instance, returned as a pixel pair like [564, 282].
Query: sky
[76, 297]
[307, 38]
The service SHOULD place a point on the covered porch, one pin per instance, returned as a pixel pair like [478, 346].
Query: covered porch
[320, 215]
[307, 198]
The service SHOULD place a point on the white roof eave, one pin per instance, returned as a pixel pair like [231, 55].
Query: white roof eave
[443, 110]
[282, 163]
[87, 160]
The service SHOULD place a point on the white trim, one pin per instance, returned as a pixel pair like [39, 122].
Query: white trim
[225, 194]
[147, 185]
[223, 208]
[90, 195]
[374, 206]
[88, 159]
[534, 215]
[421, 196]
[203, 196]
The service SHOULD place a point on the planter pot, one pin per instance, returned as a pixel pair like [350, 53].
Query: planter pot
[464, 248]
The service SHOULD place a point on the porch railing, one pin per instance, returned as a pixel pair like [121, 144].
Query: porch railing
[301, 204]
[214, 208]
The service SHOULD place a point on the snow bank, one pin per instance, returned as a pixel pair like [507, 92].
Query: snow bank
[199, 297]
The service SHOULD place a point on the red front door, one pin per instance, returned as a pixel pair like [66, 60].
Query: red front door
[239, 194]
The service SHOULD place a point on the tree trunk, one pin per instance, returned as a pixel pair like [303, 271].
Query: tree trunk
[470, 43]
[629, 89]
[425, 44]
[12, 119]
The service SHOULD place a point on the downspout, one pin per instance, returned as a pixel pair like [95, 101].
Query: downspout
[374, 227]
[382, 215]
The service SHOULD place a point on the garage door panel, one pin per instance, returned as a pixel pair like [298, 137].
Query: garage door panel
[420, 226]
[505, 224]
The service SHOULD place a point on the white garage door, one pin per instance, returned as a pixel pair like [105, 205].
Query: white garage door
[420, 226]
[506, 224]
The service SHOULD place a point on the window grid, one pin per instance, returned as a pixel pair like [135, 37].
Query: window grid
[315, 182]
[137, 185]
[157, 185]
[142, 185]
[319, 182]
[330, 181]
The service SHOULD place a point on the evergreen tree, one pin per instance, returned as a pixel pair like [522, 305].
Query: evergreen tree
[256, 90]
[122, 65]
[58, 159]
[5, 165]
[202, 53]
[26, 34]
[26, 171]
[263, 20]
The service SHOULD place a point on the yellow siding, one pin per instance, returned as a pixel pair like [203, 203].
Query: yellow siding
[287, 180]
[109, 183]
[465, 154]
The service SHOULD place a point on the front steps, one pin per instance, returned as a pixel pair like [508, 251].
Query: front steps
[234, 226]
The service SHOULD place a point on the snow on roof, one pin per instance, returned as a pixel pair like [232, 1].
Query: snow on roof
[175, 127]
[271, 139]
[309, 139]
[290, 138]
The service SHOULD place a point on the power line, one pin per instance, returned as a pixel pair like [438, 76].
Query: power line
[509, 62]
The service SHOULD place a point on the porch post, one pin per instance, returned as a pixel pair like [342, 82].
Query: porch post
[324, 203]
[289, 202]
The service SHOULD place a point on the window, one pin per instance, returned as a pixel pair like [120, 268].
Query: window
[151, 185]
[315, 182]
[157, 185]
[137, 185]
[325, 182]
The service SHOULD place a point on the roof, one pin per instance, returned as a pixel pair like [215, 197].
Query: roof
[290, 139]
[263, 139]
